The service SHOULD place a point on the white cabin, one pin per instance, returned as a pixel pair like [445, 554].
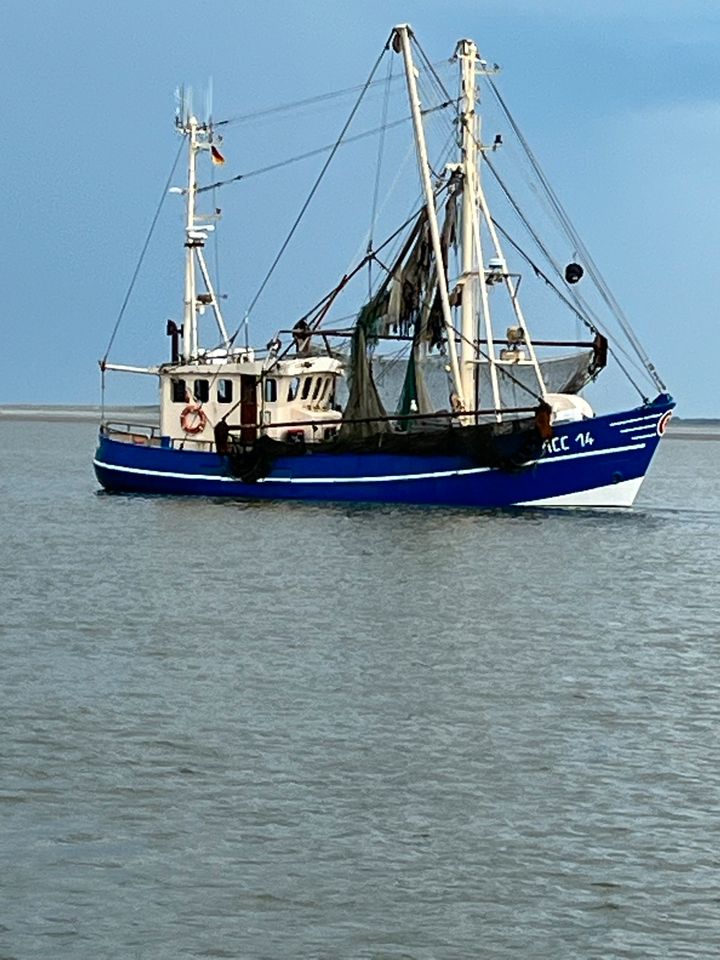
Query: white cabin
[292, 399]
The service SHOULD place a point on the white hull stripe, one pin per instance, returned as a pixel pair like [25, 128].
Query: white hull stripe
[371, 479]
[614, 495]
[163, 473]
[622, 423]
[639, 426]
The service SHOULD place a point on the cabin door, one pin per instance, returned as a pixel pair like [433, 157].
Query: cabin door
[248, 409]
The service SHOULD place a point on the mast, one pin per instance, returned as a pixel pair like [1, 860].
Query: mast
[467, 55]
[402, 33]
[473, 266]
[197, 227]
[474, 209]
[190, 343]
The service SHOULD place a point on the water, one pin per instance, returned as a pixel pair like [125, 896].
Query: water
[287, 731]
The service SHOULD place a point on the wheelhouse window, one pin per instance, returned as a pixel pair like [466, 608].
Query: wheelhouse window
[178, 391]
[270, 390]
[316, 391]
[224, 391]
[201, 391]
[306, 387]
[293, 389]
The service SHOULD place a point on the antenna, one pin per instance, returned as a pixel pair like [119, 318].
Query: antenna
[209, 101]
[183, 108]
[180, 107]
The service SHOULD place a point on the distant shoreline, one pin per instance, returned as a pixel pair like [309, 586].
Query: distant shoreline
[677, 433]
[76, 414]
[679, 429]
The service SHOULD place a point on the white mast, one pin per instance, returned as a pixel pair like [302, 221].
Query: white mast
[474, 209]
[190, 343]
[402, 32]
[467, 54]
[473, 267]
[197, 228]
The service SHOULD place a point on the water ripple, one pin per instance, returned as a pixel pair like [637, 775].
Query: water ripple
[278, 730]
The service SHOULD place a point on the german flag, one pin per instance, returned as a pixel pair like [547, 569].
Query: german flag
[217, 157]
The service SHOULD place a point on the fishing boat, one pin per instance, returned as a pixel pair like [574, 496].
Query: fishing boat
[480, 419]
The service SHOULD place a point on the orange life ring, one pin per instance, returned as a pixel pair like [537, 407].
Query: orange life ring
[193, 418]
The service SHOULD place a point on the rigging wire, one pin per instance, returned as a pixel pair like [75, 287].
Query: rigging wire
[399, 173]
[576, 240]
[378, 169]
[216, 245]
[568, 303]
[320, 308]
[578, 304]
[318, 150]
[480, 352]
[309, 101]
[555, 204]
[142, 256]
[431, 67]
[312, 193]
[444, 156]
[533, 233]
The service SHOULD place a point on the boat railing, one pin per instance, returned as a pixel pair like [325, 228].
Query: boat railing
[141, 433]
[149, 434]
[438, 416]
[190, 443]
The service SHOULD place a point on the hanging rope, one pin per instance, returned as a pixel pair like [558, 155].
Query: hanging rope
[142, 256]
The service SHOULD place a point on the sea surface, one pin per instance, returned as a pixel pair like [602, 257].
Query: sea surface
[287, 731]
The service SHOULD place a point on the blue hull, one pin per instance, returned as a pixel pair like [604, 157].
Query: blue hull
[597, 462]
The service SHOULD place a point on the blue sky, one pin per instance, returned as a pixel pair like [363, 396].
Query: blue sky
[620, 101]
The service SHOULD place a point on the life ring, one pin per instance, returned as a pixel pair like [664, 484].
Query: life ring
[193, 418]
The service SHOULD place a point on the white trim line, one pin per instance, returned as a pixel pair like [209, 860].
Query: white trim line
[639, 426]
[200, 476]
[387, 479]
[448, 473]
[164, 473]
[621, 423]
